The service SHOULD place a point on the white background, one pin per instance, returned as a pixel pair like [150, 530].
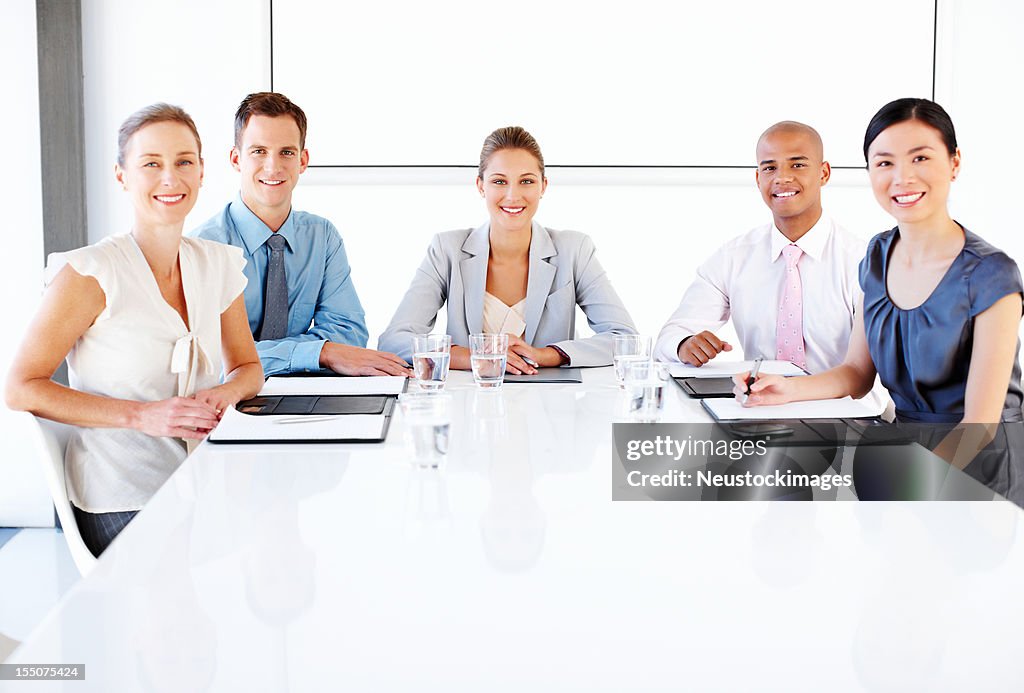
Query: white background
[685, 83]
[23, 495]
[651, 226]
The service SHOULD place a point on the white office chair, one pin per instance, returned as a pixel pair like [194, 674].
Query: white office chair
[52, 440]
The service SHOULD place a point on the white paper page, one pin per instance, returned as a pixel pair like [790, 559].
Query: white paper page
[368, 385]
[844, 408]
[718, 368]
[236, 426]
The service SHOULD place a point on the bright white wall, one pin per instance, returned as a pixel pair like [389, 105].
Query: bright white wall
[577, 70]
[652, 227]
[204, 56]
[980, 68]
[24, 498]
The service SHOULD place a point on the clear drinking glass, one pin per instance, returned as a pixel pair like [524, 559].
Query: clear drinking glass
[645, 390]
[488, 353]
[626, 348]
[427, 420]
[431, 356]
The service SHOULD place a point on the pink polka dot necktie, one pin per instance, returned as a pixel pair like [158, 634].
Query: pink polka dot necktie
[789, 327]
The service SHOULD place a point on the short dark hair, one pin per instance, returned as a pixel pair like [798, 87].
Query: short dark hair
[155, 113]
[511, 137]
[901, 110]
[272, 104]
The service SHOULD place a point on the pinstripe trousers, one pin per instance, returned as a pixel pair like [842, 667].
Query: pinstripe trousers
[99, 529]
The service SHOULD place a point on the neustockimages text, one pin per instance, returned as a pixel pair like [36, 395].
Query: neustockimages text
[667, 447]
[778, 479]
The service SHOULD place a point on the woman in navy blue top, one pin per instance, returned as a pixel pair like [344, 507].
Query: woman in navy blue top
[941, 306]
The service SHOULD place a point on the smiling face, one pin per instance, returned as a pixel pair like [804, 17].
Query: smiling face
[162, 171]
[910, 168]
[270, 159]
[790, 173]
[512, 185]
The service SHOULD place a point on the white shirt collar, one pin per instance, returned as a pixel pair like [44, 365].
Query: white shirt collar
[812, 243]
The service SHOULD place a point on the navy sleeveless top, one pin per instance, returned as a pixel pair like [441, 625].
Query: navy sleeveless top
[923, 354]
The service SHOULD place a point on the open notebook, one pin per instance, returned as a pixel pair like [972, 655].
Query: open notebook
[819, 422]
[236, 427]
[719, 368]
[714, 379]
[313, 410]
[843, 408]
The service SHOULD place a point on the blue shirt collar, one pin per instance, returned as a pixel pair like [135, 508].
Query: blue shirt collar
[251, 229]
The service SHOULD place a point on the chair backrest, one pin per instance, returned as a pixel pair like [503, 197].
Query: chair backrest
[53, 441]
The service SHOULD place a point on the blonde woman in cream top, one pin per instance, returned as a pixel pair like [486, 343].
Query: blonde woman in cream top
[139, 349]
[513, 261]
[148, 322]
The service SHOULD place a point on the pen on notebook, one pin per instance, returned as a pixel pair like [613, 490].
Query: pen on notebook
[752, 377]
[305, 418]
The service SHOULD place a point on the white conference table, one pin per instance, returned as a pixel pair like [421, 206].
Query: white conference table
[343, 567]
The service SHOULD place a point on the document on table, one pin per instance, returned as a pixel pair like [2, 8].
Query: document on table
[718, 368]
[236, 427]
[843, 408]
[340, 385]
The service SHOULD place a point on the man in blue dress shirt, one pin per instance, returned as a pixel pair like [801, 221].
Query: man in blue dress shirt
[320, 324]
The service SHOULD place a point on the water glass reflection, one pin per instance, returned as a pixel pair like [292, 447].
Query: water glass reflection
[645, 390]
[627, 348]
[427, 418]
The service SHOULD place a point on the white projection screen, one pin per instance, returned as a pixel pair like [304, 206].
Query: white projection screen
[628, 83]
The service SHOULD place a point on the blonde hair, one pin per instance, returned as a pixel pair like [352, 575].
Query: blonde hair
[156, 113]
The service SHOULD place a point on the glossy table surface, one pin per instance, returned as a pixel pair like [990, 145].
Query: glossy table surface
[344, 567]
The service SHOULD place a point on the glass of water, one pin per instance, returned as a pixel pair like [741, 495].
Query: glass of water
[645, 390]
[427, 418]
[627, 348]
[488, 353]
[431, 355]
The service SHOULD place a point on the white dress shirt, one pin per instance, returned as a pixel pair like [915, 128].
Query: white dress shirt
[743, 280]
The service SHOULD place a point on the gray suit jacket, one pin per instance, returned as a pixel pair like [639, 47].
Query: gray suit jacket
[564, 272]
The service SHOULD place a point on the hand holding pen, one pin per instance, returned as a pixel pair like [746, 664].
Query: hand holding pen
[752, 378]
[753, 389]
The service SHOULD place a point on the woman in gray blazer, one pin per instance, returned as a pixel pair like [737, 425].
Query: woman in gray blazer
[513, 275]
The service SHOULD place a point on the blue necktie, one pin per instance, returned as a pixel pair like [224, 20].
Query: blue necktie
[275, 298]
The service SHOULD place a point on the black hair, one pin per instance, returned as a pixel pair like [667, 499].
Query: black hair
[900, 110]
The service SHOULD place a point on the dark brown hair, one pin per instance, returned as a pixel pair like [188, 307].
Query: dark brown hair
[157, 113]
[272, 104]
[511, 137]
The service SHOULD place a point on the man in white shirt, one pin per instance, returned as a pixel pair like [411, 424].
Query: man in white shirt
[794, 303]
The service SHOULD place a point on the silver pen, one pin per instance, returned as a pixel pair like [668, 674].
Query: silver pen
[752, 378]
[306, 418]
[530, 362]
